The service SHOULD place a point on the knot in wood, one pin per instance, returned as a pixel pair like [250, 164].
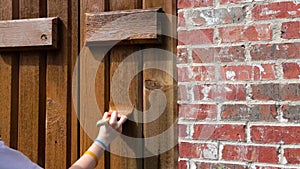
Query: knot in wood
[152, 85]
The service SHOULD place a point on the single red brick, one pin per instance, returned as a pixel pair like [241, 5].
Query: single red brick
[290, 30]
[235, 73]
[275, 10]
[183, 93]
[181, 20]
[265, 72]
[291, 70]
[224, 15]
[276, 92]
[225, 54]
[203, 73]
[220, 92]
[275, 51]
[230, 54]
[194, 37]
[243, 112]
[182, 56]
[189, 150]
[219, 132]
[198, 150]
[265, 92]
[275, 134]
[196, 73]
[291, 113]
[198, 111]
[182, 130]
[182, 164]
[194, 3]
[248, 33]
[289, 92]
[203, 55]
[206, 165]
[250, 153]
[185, 74]
[292, 155]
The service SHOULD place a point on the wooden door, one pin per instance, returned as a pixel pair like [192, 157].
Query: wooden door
[37, 110]
[144, 84]
[35, 100]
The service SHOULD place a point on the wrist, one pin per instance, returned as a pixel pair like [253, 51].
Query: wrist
[101, 143]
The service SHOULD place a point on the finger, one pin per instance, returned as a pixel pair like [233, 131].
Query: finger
[113, 118]
[106, 115]
[121, 121]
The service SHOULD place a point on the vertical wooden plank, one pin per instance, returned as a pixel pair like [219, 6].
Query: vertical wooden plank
[116, 56]
[100, 88]
[73, 120]
[167, 83]
[57, 90]
[131, 128]
[5, 101]
[5, 79]
[124, 4]
[28, 127]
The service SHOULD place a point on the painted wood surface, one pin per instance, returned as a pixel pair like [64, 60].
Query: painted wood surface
[28, 34]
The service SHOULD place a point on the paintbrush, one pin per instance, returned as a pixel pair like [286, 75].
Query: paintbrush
[105, 121]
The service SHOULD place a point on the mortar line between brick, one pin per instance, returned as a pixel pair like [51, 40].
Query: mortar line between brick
[283, 41]
[245, 163]
[245, 23]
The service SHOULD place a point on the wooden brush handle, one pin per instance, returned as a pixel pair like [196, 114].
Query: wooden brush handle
[102, 122]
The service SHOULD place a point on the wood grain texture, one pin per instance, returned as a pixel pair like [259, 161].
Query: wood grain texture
[167, 83]
[28, 132]
[101, 83]
[57, 91]
[28, 114]
[117, 55]
[127, 25]
[119, 101]
[25, 34]
[73, 119]
[5, 78]
[115, 5]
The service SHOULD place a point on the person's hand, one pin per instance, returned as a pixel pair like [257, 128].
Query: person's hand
[108, 132]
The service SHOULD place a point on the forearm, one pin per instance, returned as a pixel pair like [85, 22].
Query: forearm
[87, 161]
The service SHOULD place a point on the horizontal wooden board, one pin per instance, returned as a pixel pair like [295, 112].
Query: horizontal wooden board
[40, 33]
[129, 26]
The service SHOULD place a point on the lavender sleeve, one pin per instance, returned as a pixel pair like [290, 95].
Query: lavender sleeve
[13, 159]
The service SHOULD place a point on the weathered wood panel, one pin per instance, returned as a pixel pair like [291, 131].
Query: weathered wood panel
[57, 91]
[5, 79]
[124, 5]
[128, 25]
[40, 33]
[72, 120]
[132, 92]
[118, 54]
[165, 82]
[28, 114]
[101, 84]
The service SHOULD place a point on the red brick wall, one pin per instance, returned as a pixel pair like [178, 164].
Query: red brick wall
[239, 84]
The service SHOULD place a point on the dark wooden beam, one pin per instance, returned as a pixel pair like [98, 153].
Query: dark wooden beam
[27, 34]
[138, 26]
